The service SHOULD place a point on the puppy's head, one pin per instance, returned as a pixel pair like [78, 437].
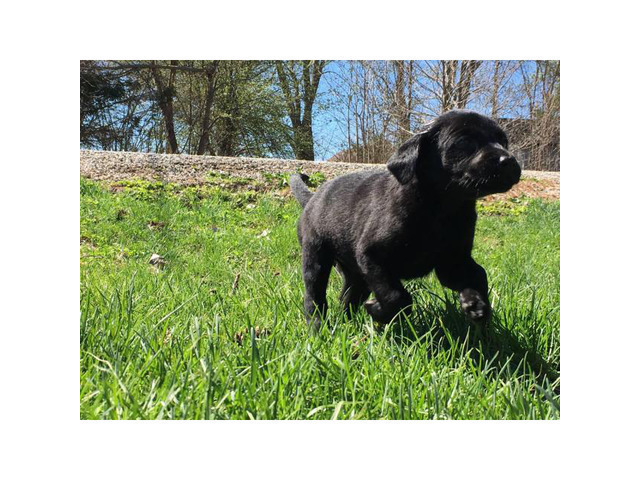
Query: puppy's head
[462, 152]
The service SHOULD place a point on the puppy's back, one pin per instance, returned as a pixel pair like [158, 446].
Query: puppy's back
[340, 209]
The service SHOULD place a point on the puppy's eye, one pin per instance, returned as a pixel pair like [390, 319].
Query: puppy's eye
[466, 145]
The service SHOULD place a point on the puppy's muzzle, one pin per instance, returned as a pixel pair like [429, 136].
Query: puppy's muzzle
[509, 169]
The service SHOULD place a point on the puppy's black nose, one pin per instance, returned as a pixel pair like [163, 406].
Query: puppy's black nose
[510, 167]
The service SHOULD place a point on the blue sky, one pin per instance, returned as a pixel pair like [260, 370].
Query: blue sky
[328, 129]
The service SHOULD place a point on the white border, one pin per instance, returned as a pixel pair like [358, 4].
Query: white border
[40, 201]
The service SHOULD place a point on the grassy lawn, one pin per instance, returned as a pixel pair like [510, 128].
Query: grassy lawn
[215, 330]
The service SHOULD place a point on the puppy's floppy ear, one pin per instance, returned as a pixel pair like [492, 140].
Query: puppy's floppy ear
[404, 163]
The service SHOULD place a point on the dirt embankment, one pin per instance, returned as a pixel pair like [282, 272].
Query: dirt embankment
[194, 169]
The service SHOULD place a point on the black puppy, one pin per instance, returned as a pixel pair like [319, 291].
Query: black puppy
[417, 216]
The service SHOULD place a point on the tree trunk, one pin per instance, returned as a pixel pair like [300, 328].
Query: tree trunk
[449, 69]
[495, 89]
[227, 143]
[467, 71]
[300, 94]
[402, 111]
[165, 102]
[303, 139]
[203, 144]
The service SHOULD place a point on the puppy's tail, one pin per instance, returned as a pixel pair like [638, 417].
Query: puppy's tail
[299, 189]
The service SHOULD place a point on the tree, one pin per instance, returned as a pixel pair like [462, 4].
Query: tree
[455, 79]
[374, 101]
[541, 89]
[165, 91]
[196, 107]
[249, 112]
[403, 97]
[210, 73]
[104, 96]
[299, 81]
[271, 108]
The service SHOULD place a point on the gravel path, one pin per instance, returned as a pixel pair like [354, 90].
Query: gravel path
[193, 169]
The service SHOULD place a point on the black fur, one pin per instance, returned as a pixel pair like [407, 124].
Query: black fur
[381, 227]
[299, 189]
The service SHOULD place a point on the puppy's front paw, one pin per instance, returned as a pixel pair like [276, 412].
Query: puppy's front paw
[374, 309]
[474, 307]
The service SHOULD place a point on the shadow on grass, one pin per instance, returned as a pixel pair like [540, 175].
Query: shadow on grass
[445, 326]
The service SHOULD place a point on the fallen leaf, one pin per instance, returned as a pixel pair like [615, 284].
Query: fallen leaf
[152, 225]
[355, 347]
[242, 334]
[235, 283]
[157, 261]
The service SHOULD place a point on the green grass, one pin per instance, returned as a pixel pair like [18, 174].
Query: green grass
[218, 333]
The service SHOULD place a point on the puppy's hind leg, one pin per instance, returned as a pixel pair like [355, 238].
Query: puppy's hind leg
[317, 261]
[391, 296]
[354, 291]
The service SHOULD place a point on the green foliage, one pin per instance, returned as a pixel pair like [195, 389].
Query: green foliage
[105, 105]
[282, 179]
[514, 206]
[316, 179]
[229, 181]
[219, 333]
[141, 189]
[279, 179]
[247, 115]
